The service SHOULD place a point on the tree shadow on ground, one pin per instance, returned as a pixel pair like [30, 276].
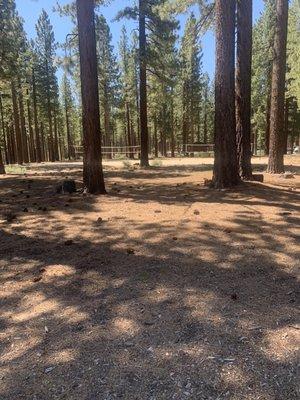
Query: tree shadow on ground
[177, 311]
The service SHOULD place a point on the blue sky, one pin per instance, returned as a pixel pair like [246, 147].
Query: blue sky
[31, 9]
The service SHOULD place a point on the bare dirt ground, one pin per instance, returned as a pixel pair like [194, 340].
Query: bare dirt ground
[162, 289]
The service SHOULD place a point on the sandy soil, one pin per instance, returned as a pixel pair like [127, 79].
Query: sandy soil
[162, 289]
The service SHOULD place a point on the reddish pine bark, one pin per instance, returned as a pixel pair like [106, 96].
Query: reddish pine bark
[92, 161]
[144, 162]
[243, 87]
[276, 153]
[19, 143]
[226, 164]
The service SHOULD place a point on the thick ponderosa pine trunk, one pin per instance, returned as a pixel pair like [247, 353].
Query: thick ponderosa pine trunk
[92, 161]
[226, 164]
[276, 153]
[243, 86]
[19, 143]
[143, 86]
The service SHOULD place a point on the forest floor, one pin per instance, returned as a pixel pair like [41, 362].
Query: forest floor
[161, 289]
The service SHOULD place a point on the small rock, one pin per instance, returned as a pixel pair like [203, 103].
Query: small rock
[149, 322]
[128, 344]
[69, 242]
[37, 279]
[130, 251]
[49, 369]
[67, 186]
[196, 212]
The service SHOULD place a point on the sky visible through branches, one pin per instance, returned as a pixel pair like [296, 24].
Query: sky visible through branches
[31, 9]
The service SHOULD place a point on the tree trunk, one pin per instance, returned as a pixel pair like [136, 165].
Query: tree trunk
[92, 161]
[36, 125]
[184, 133]
[2, 168]
[155, 137]
[49, 111]
[267, 132]
[31, 134]
[12, 144]
[69, 138]
[276, 162]
[143, 86]
[56, 149]
[172, 130]
[286, 126]
[226, 164]
[4, 141]
[8, 143]
[205, 135]
[107, 133]
[19, 143]
[255, 135]
[23, 126]
[243, 87]
[43, 147]
[129, 133]
[51, 141]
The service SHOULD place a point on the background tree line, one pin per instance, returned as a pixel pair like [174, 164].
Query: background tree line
[41, 117]
[152, 89]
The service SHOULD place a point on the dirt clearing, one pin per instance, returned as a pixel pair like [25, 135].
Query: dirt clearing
[162, 289]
